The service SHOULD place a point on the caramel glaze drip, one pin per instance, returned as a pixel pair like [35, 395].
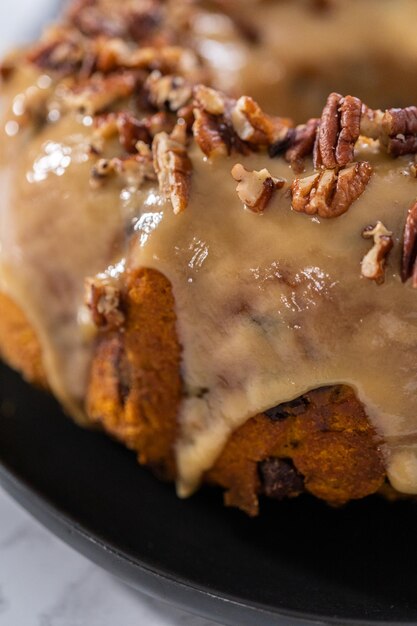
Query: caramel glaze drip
[270, 304]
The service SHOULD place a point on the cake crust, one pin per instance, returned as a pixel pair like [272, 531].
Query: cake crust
[135, 390]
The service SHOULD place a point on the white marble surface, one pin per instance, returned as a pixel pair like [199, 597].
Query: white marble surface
[43, 582]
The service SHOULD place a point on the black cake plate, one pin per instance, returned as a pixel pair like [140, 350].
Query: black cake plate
[300, 562]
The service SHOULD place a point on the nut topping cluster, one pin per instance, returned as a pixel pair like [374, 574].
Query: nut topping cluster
[223, 125]
[373, 263]
[146, 97]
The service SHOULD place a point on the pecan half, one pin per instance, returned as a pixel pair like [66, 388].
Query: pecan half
[102, 297]
[167, 92]
[173, 166]
[255, 189]
[329, 193]
[409, 254]
[373, 263]
[399, 127]
[338, 132]
[297, 144]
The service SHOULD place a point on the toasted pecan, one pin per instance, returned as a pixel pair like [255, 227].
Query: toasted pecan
[253, 125]
[373, 263]
[98, 93]
[409, 253]
[167, 92]
[255, 189]
[297, 144]
[329, 193]
[173, 166]
[338, 132]
[132, 169]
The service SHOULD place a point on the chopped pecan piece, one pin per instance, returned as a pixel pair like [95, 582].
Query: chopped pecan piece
[409, 254]
[338, 132]
[297, 144]
[111, 54]
[222, 124]
[253, 125]
[401, 144]
[168, 60]
[329, 193]
[373, 263]
[173, 166]
[400, 121]
[144, 23]
[98, 93]
[160, 122]
[167, 92]
[210, 100]
[131, 130]
[61, 51]
[133, 169]
[210, 133]
[399, 131]
[214, 132]
[371, 122]
[102, 297]
[141, 22]
[255, 189]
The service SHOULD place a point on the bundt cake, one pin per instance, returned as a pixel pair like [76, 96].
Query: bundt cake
[229, 294]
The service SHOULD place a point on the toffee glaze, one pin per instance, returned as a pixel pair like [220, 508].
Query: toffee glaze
[269, 305]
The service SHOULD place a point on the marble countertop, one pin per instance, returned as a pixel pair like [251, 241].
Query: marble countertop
[43, 582]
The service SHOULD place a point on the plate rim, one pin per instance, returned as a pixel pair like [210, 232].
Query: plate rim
[194, 598]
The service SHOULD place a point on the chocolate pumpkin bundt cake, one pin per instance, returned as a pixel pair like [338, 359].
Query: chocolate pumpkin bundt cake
[229, 294]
